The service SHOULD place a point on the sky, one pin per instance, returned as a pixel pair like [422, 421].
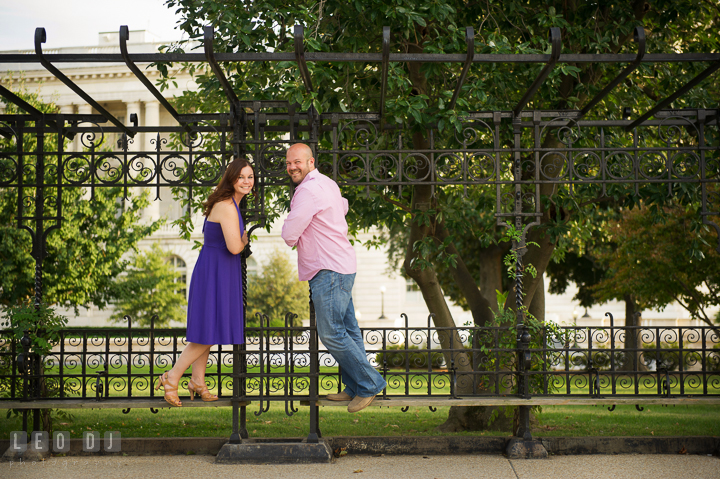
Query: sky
[72, 23]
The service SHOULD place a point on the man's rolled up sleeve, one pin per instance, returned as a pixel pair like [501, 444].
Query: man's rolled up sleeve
[301, 214]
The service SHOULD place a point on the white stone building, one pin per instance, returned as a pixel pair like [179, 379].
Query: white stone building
[379, 296]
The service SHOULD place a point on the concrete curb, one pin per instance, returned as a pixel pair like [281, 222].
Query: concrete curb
[632, 445]
[423, 445]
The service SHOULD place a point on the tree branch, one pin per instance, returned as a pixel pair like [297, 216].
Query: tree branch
[702, 318]
[692, 294]
[712, 292]
[479, 305]
[398, 204]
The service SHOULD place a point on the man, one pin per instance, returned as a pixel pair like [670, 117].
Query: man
[316, 225]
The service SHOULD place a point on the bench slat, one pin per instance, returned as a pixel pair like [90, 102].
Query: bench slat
[514, 401]
[121, 403]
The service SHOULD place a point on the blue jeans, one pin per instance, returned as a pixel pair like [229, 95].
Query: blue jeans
[339, 332]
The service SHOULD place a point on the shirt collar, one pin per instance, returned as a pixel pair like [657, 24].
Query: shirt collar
[311, 174]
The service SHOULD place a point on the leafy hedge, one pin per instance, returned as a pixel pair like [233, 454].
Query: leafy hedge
[411, 358]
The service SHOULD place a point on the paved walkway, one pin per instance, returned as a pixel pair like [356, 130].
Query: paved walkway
[364, 467]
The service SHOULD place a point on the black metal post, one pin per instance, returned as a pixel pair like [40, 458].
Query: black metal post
[239, 366]
[24, 368]
[385, 67]
[314, 434]
[523, 338]
[235, 437]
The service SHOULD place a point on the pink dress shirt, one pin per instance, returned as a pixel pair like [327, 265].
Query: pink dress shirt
[316, 225]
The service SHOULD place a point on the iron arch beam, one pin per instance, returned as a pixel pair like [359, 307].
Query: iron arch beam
[124, 37]
[639, 38]
[40, 38]
[556, 42]
[681, 91]
[13, 98]
[513, 58]
[32, 111]
[215, 66]
[470, 43]
[385, 68]
[300, 57]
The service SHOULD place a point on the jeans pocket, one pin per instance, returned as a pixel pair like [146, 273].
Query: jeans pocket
[346, 282]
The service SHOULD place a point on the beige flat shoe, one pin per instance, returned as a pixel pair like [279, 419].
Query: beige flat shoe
[341, 396]
[360, 403]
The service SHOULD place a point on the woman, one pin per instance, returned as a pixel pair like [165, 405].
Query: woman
[215, 303]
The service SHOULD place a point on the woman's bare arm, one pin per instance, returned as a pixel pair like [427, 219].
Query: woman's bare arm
[224, 212]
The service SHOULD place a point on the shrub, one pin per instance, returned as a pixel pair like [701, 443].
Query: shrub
[600, 358]
[713, 359]
[411, 358]
[43, 325]
[668, 357]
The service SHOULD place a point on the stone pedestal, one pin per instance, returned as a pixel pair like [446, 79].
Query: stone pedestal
[280, 451]
[11, 455]
[31, 454]
[35, 455]
[518, 448]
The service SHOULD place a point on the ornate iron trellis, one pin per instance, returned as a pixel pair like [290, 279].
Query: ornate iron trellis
[361, 150]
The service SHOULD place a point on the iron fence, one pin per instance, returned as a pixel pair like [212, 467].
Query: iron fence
[287, 365]
[520, 155]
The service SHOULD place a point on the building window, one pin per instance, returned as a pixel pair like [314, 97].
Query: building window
[412, 290]
[179, 266]
[170, 207]
[252, 268]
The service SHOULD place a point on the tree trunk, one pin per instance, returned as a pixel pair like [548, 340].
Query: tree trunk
[491, 279]
[482, 305]
[537, 305]
[459, 418]
[481, 299]
[477, 418]
[632, 360]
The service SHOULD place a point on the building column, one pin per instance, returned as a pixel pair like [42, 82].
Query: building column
[68, 110]
[77, 143]
[152, 118]
[134, 107]
[135, 144]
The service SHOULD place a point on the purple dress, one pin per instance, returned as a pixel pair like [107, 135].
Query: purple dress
[215, 303]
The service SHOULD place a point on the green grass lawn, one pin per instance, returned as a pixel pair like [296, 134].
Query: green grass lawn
[655, 420]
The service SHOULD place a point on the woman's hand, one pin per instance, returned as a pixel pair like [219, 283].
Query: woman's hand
[244, 239]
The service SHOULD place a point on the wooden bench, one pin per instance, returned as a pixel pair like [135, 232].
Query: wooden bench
[113, 403]
[515, 401]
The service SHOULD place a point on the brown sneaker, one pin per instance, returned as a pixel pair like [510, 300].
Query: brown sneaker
[359, 403]
[341, 396]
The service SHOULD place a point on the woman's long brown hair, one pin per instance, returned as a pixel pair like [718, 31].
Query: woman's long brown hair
[225, 189]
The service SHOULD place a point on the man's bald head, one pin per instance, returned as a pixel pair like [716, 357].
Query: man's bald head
[299, 162]
[300, 149]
